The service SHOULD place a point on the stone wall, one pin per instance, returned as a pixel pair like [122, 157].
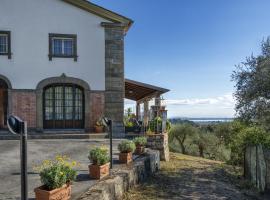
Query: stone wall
[23, 104]
[257, 167]
[159, 142]
[114, 79]
[121, 180]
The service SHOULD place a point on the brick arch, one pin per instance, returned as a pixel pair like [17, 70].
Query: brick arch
[68, 80]
[6, 80]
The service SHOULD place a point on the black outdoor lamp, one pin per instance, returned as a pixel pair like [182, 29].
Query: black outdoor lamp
[108, 123]
[17, 126]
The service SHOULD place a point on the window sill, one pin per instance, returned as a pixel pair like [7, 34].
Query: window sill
[75, 57]
[6, 54]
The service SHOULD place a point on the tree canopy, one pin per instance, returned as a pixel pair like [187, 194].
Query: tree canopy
[252, 94]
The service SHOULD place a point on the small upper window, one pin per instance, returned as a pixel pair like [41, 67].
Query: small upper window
[63, 46]
[5, 48]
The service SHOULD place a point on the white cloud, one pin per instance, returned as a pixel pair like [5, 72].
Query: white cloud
[226, 99]
[129, 102]
[220, 106]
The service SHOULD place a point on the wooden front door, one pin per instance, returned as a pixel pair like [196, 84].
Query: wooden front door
[63, 107]
[3, 107]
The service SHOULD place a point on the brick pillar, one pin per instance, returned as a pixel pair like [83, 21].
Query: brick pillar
[114, 76]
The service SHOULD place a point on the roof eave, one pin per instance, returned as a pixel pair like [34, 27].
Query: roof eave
[158, 89]
[101, 12]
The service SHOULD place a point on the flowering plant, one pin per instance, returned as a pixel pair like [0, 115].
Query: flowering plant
[57, 172]
[99, 155]
[99, 122]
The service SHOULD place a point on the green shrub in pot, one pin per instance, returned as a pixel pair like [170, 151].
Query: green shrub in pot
[126, 146]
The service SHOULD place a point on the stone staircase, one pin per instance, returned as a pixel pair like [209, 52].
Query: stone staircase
[70, 134]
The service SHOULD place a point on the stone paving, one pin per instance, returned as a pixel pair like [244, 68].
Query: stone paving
[39, 150]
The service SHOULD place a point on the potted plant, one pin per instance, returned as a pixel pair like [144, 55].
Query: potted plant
[99, 126]
[140, 143]
[100, 162]
[126, 148]
[56, 176]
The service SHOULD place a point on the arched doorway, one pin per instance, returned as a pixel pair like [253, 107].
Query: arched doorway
[63, 106]
[3, 103]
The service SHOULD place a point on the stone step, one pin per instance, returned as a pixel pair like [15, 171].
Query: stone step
[56, 136]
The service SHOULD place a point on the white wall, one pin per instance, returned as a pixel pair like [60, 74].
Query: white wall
[30, 22]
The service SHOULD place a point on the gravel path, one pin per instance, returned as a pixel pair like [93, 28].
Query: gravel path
[187, 177]
[39, 150]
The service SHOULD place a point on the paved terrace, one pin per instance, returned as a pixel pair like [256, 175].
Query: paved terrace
[39, 150]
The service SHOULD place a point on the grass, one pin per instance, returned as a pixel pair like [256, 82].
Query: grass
[188, 177]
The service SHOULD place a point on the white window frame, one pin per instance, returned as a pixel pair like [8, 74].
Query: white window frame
[62, 37]
[6, 36]
[63, 47]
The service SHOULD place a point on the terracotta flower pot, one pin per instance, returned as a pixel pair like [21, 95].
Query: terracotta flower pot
[99, 172]
[99, 129]
[63, 193]
[139, 149]
[125, 157]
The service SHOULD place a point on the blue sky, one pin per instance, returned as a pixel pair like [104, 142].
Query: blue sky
[191, 47]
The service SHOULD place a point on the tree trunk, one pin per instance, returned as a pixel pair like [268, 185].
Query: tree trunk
[201, 151]
[183, 148]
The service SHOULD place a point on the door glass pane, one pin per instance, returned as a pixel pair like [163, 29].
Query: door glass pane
[48, 104]
[69, 103]
[59, 114]
[78, 104]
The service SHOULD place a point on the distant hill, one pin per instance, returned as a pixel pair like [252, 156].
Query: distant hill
[194, 120]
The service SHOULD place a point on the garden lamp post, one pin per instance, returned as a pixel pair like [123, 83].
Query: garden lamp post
[19, 127]
[108, 123]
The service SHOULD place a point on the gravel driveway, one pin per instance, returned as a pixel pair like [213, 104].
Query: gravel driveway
[39, 150]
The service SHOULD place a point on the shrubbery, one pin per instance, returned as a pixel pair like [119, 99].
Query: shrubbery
[99, 155]
[126, 146]
[140, 141]
[221, 141]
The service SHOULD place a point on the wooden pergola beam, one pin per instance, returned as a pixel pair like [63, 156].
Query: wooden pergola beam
[138, 91]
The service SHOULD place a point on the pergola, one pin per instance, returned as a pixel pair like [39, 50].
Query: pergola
[142, 93]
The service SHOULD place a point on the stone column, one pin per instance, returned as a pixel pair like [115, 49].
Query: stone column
[146, 112]
[114, 75]
[159, 142]
[138, 111]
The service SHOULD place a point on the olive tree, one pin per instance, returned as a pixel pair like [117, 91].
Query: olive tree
[180, 132]
[252, 94]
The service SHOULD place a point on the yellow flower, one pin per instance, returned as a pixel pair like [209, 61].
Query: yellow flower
[61, 173]
[46, 162]
[74, 163]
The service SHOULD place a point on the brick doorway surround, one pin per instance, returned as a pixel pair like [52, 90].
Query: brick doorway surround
[63, 79]
[5, 87]
[2, 109]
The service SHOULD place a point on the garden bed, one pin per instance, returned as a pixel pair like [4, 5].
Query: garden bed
[124, 177]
